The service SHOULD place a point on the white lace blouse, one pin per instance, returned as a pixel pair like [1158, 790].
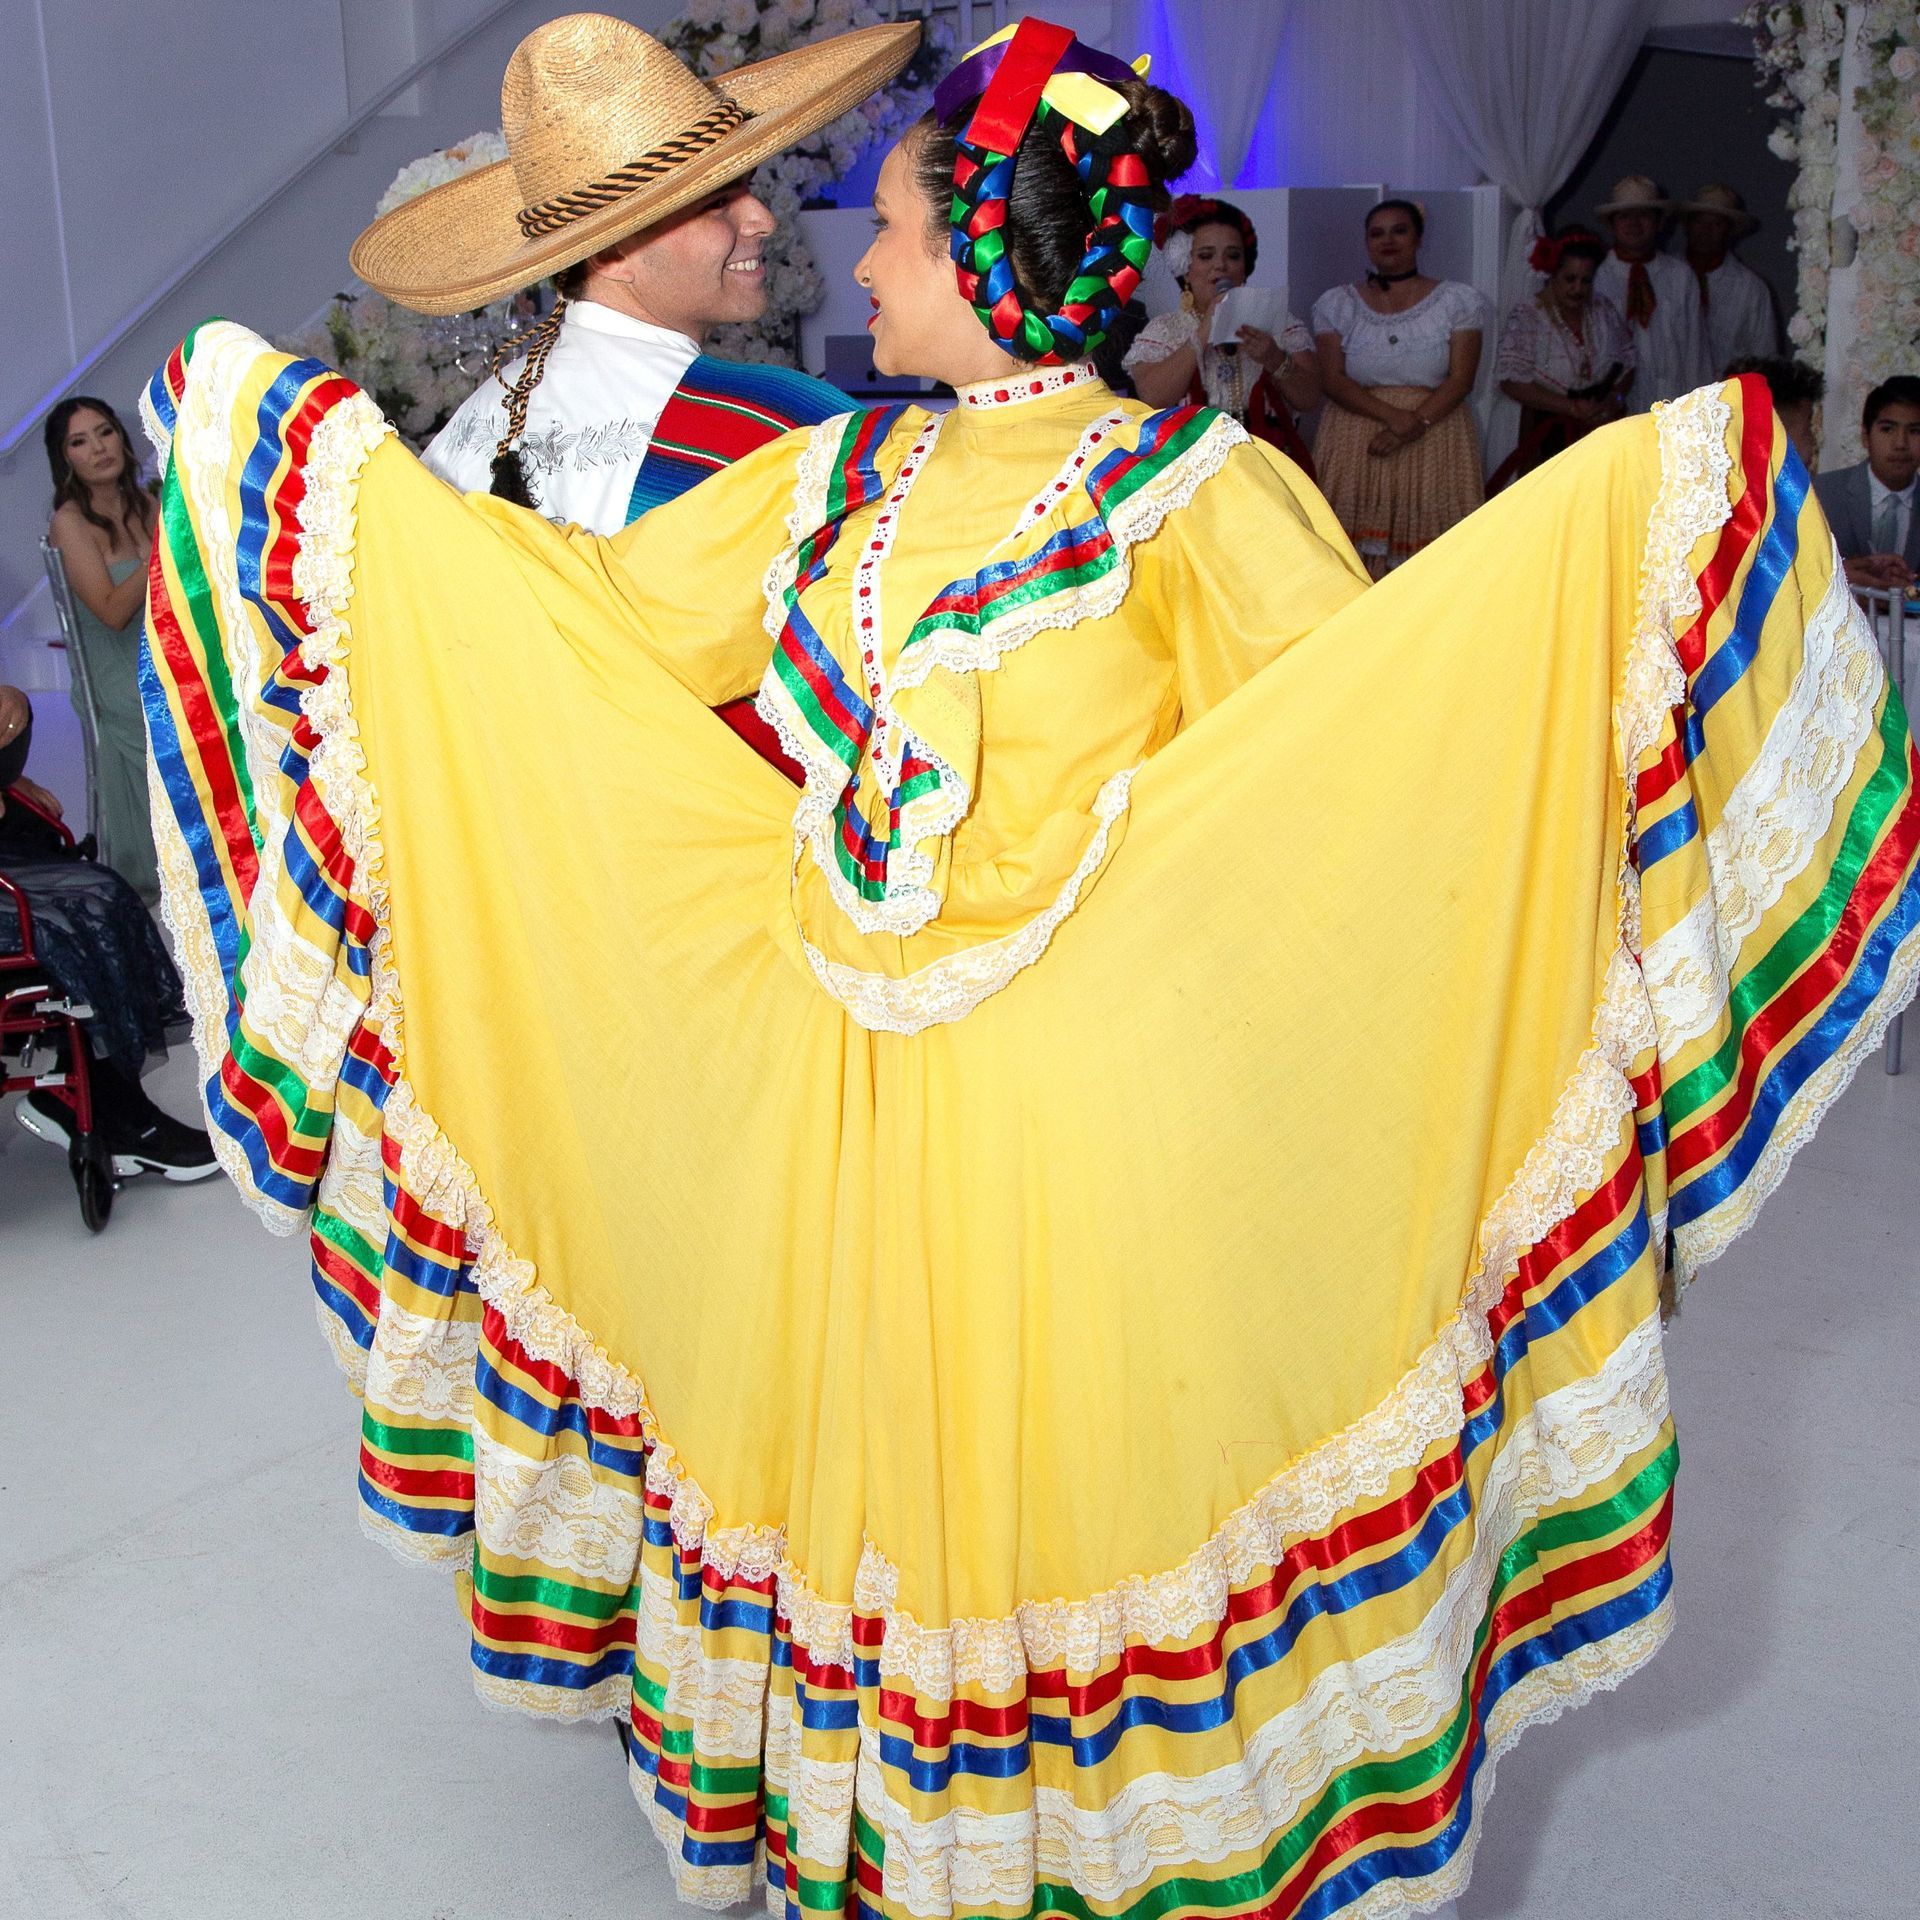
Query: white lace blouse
[1540, 347]
[1229, 378]
[1409, 349]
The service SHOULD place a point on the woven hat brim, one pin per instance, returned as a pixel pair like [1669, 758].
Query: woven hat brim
[1607, 208]
[1743, 222]
[459, 246]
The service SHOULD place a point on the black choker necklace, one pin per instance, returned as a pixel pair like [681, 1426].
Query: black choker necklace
[1385, 280]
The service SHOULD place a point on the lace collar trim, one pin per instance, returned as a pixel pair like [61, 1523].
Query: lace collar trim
[1025, 386]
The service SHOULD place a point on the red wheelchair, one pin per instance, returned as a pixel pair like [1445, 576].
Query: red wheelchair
[43, 1046]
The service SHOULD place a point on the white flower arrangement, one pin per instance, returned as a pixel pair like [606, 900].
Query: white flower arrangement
[714, 36]
[1797, 49]
[1887, 214]
[436, 169]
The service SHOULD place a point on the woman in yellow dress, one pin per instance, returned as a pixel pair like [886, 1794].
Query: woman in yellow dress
[1071, 1320]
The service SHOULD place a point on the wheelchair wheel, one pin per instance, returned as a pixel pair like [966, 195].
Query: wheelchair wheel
[92, 1168]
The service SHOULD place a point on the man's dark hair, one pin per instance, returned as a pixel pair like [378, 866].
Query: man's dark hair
[1789, 381]
[1903, 390]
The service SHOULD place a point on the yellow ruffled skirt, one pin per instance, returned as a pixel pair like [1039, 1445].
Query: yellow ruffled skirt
[1150, 1444]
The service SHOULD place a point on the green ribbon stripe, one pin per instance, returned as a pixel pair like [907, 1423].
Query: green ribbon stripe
[842, 747]
[357, 1248]
[1757, 988]
[1404, 1776]
[724, 1783]
[817, 1896]
[837, 486]
[1145, 472]
[309, 1124]
[851, 869]
[504, 1590]
[445, 1443]
[183, 543]
[1040, 587]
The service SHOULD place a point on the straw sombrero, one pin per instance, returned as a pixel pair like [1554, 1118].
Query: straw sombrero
[1717, 197]
[1635, 194]
[607, 132]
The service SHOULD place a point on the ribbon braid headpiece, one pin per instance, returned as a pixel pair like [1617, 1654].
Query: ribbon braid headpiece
[1038, 74]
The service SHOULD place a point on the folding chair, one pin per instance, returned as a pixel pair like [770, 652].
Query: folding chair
[69, 611]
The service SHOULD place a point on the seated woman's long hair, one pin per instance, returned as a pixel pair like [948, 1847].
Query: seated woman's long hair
[135, 502]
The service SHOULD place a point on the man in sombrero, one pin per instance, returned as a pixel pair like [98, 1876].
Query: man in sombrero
[1737, 303]
[1656, 292]
[628, 183]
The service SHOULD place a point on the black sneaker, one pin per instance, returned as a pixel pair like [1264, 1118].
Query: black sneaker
[46, 1117]
[158, 1143]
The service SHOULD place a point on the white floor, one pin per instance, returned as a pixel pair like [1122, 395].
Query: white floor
[218, 1702]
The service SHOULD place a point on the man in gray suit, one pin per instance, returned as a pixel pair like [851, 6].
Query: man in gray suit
[1871, 506]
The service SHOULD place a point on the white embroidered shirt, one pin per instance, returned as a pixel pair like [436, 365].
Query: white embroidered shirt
[1674, 356]
[1540, 347]
[589, 423]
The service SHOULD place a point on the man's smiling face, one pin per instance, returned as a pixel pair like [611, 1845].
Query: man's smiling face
[701, 269]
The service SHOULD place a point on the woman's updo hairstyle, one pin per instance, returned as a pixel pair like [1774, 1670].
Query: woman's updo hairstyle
[1045, 239]
[1411, 208]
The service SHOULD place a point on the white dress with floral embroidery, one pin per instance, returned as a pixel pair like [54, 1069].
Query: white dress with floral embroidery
[1229, 378]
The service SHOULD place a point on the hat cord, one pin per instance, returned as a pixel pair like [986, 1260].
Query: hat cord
[509, 474]
[548, 216]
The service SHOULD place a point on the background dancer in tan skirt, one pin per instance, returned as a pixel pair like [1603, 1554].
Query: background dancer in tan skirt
[1397, 453]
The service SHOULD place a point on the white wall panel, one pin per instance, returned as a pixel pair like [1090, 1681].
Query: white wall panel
[169, 121]
[39, 343]
[281, 244]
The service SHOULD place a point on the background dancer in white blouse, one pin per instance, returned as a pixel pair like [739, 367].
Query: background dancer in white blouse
[1210, 247]
[1741, 322]
[1657, 294]
[1566, 356]
[1397, 451]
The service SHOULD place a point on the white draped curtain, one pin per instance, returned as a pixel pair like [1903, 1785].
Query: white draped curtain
[1524, 85]
[1222, 62]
